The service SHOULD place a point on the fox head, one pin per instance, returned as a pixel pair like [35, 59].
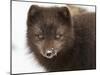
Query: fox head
[49, 30]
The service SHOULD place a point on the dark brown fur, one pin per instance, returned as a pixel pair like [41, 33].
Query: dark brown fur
[85, 32]
[76, 47]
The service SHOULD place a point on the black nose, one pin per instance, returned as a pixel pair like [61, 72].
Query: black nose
[50, 53]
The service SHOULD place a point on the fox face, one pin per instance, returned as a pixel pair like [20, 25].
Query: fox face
[50, 30]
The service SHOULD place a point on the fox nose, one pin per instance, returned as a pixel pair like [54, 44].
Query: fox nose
[50, 53]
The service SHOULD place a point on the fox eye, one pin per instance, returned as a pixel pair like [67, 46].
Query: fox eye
[59, 36]
[39, 36]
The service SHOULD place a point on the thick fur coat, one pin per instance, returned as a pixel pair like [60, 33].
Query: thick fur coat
[61, 42]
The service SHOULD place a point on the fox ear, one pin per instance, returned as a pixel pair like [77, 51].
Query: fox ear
[65, 13]
[32, 13]
[33, 10]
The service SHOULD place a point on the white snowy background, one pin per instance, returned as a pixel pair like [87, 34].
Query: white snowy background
[22, 62]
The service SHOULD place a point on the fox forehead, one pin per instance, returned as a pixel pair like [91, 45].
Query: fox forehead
[60, 29]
